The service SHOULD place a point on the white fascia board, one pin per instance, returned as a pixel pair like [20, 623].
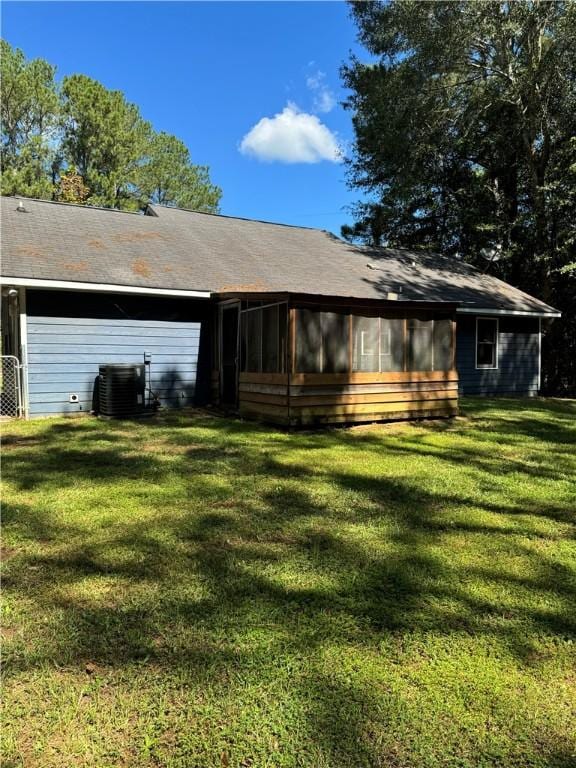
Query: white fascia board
[71, 285]
[517, 312]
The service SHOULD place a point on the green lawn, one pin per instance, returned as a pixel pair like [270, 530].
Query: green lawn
[197, 591]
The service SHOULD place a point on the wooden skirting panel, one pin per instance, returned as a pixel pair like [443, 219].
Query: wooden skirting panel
[264, 378]
[303, 420]
[303, 401]
[324, 399]
[275, 414]
[357, 397]
[356, 408]
[264, 396]
[257, 397]
[264, 389]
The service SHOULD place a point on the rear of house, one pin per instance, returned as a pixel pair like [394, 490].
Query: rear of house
[499, 354]
[287, 324]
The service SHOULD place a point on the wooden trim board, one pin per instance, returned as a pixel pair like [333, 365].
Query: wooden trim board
[264, 378]
[307, 420]
[361, 377]
[353, 409]
[390, 397]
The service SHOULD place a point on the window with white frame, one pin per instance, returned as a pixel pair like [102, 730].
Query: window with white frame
[486, 342]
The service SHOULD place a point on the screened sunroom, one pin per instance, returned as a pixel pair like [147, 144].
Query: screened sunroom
[300, 360]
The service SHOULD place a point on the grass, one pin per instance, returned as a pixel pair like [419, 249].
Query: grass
[197, 591]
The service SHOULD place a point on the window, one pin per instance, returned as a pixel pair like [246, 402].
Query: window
[366, 343]
[391, 344]
[322, 342]
[308, 341]
[486, 342]
[442, 344]
[378, 344]
[335, 340]
[263, 339]
[385, 340]
[420, 336]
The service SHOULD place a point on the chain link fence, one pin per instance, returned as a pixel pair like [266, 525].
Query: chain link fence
[10, 389]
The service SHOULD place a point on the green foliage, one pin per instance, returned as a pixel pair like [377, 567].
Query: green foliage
[83, 143]
[199, 591]
[29, 115]
[104, 138]
[167, 177]
[465, 123]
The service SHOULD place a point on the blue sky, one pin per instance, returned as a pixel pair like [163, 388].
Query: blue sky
[252, 88]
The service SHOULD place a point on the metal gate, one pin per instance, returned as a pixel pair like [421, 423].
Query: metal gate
[10, 387]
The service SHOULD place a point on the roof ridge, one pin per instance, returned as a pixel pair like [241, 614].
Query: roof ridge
[153, 206]
[70, 205]
[239, 218]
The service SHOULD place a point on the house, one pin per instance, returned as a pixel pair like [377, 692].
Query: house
[284, 323]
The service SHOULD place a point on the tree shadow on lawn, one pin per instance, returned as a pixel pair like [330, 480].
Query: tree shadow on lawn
[192, 587]
[390, 588]
[410, 588]
[526, 429]
[548, 420]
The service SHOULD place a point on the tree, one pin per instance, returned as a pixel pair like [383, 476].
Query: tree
[29, 115]
[464, 139]
[71, 188]
[167, 176]
[104, 139]
[83, 143]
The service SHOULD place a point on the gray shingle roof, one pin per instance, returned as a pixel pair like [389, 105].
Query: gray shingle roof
[176, 249]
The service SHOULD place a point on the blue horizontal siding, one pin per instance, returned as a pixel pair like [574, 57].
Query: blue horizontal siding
[112, 356]
[75, 385]
[518, 364]
[168, 350]
[119, 323]
[64, 355]
[92, 338]
[60, 408]
[56, 372]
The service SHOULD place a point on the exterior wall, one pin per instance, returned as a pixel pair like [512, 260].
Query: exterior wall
[518, 358]
[71, 335]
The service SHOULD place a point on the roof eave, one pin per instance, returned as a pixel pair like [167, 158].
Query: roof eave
[544, 313]
[333, 299]
[73, 285]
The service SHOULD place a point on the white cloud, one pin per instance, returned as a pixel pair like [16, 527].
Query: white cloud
[324, 99]
[291, 136]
